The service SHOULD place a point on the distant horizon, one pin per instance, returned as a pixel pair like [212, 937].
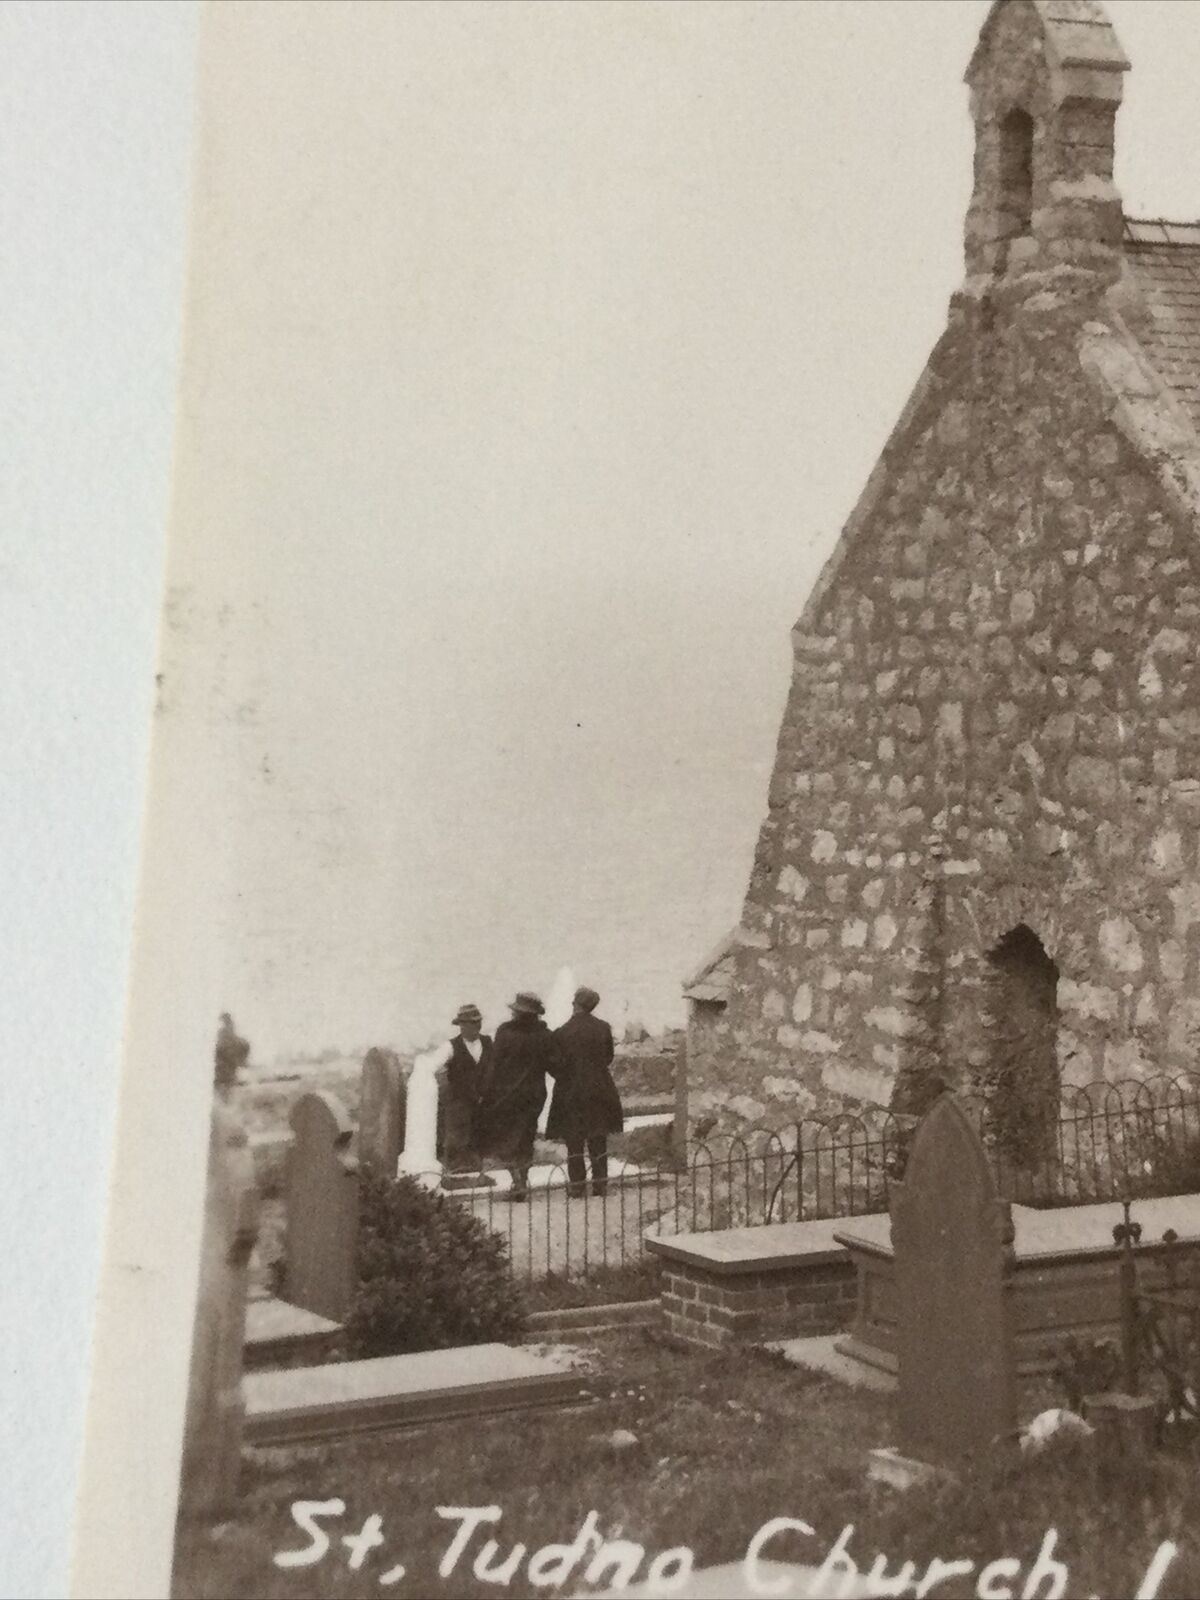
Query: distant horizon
[518, 423]
[333, 1053]
[622, 1021]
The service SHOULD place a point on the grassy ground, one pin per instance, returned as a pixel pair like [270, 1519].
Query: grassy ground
[602, 1287]
[724, 1443]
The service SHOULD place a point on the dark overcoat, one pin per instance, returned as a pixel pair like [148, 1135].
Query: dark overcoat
[458, 1107]
[586, 1103]
[524, 1052]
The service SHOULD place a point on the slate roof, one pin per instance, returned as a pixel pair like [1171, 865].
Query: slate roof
[1165, 257]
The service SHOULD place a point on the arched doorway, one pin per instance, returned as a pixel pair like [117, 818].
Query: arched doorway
[1021, 1081]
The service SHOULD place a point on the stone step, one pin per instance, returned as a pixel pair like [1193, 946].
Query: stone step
[279, 1334]
[350, 1397]
[601, 1330]
[590, 1319]
[588, 1335]
[826, 1353]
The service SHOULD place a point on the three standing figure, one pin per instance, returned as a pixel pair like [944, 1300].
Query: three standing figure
[585, 1108]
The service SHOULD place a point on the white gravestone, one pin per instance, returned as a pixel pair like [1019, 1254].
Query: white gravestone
[419, 1156]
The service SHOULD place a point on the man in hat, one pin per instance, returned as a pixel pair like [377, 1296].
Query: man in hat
[525, 1052]
[463, 1065]
[586, 1107]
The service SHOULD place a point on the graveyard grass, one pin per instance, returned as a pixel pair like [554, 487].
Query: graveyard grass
[725, 1442]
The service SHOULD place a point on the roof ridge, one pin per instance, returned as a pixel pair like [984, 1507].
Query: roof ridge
[1164, 261]
[1182, 239]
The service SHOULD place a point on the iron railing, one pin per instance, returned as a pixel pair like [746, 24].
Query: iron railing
[1112, 1140]
[1156, 1358]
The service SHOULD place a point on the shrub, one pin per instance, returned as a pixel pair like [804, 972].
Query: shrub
[430, 1275]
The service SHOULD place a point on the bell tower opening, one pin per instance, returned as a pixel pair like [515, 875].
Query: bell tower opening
[1046, 81]
[1016, 173]
[1022, 1083]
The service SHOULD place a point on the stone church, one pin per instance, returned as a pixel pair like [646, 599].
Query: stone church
[981, 853]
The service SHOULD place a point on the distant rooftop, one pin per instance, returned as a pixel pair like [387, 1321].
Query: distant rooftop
[1165, 257]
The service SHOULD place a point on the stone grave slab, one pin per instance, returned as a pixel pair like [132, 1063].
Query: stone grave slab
[348, 1397]
[1063, 1280]
[756, 1249]
[277, 1332]
[788, 1580]
[1062, 1232]
[823, 1354]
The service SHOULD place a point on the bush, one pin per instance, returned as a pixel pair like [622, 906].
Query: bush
[430, 1275]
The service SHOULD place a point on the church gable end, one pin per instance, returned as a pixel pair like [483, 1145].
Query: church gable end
[987, 780]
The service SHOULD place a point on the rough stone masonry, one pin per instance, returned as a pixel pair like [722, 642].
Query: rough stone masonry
[981, 841]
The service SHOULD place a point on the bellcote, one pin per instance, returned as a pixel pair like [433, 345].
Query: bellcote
[1046, 81]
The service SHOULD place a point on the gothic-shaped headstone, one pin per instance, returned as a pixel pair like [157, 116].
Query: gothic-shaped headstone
[322, 1208]
[952, 1243]
[381, 1113]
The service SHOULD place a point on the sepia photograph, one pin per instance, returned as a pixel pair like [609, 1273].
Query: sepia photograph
[662, 1053]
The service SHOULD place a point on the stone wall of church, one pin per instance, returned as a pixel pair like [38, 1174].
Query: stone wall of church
[1005, 654]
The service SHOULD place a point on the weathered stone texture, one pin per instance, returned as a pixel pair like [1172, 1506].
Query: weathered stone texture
[1033, 694]
[1002, 656]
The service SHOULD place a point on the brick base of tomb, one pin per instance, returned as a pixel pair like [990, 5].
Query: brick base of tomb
[799, 1279]
[747, 1285]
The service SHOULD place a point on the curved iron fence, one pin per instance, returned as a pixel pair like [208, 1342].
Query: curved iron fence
[1129, 1139]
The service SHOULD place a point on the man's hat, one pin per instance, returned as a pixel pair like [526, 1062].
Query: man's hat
[587, 998]
[468, 1014]
[528, 1004]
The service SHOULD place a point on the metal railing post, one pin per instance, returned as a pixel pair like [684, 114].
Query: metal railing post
[1126, 1234]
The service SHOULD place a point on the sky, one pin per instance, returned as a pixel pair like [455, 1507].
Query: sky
[534, 357]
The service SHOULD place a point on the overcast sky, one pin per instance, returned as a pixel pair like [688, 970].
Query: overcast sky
[535, 356]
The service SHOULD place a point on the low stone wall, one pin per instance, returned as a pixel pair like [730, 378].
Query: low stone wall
[745, 1285]
[588, 1322]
